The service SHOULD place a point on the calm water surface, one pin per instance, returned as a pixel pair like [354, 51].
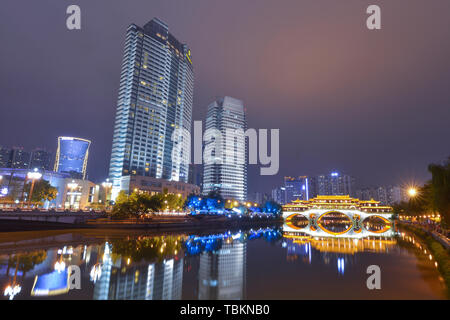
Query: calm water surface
[260, 263]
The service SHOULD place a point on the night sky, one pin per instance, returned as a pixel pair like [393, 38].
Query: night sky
[374, 104]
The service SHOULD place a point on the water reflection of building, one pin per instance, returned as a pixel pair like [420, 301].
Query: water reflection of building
[121, 280]
[222, 273]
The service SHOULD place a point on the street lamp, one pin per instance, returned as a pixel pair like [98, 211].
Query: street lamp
[107, 186]
[412, 192]
[72, 186]
[33, 176]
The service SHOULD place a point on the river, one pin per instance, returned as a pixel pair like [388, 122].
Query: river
[258, 263]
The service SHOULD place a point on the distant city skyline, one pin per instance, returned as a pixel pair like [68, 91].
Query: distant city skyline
[374, 104]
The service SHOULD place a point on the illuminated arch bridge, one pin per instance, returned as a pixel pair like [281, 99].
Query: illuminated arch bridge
[321, 211]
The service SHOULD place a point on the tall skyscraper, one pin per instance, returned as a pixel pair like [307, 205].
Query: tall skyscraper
[225, 167]
[72, 156]
[155, 99]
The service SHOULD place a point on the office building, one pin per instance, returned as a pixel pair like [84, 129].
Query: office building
[41, 159]
[296, 188]
[332, 184]
[151, 185]
[259, 197]
[387, 195]
[19, 159]
[196, 175]
[279, 195]
[72, 156]
[225, 158]
[154, 107]
[5, 156]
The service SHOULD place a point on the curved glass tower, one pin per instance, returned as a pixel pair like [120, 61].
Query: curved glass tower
[154, 107]
[72, 156]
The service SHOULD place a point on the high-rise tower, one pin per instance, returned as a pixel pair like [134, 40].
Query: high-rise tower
[225, 167]
[154, 107]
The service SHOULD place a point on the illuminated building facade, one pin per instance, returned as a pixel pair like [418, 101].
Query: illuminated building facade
[387, 195]
[296, 188]
[4, 157]
[154, 107]
[279, 195]
[41, 159]
[72, 156]
[334, 183]
[152, 186]
[20, 158]
[72, 193]
[226, 173]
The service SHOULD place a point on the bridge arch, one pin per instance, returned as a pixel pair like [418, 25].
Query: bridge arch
[387, 223]
[334, 232]
[290, 223]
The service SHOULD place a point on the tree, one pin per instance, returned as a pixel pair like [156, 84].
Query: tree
[27, 261]
[122, 208]
[43, 191]
[439, 191]
[137, 204]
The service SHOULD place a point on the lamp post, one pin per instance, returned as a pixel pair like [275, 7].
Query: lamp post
[33, 176]
[107, 186]
[72, 186]
[3, 191]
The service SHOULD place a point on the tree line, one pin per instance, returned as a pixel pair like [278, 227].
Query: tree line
[432, 197]
[138, 203]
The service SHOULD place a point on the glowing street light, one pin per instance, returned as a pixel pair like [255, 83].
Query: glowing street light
[412, 192]
[12, 291]
[33, 176]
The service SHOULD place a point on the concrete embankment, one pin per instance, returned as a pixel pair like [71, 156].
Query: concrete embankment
[176, 224]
